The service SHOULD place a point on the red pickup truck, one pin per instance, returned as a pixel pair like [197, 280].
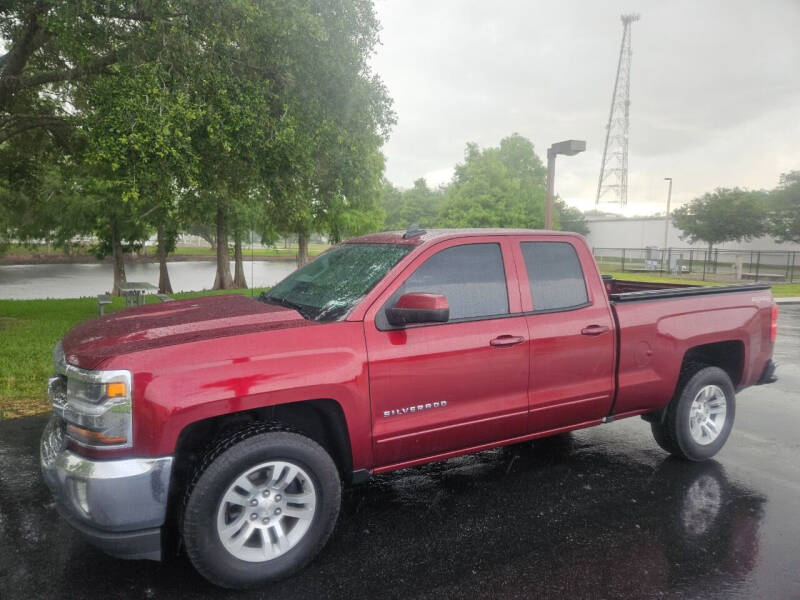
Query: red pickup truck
[227, 423]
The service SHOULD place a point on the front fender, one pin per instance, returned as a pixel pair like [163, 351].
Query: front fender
[208, 379]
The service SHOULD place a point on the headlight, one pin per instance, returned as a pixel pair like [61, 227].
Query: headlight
[96, 405]
[94, 391]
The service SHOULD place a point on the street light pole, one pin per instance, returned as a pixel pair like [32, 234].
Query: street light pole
[666, 218]
[551, 172]
[568, 148]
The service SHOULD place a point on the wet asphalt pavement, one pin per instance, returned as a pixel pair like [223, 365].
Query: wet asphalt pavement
[599, 513]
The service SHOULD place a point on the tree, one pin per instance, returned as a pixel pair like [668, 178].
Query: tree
[784, 209]
[138, 163]
[229, 138]
[92, 81]
[203, 230]
[329, 179]
[54, 46]
[155, 112]
[570, 218]
[30, 178]
[723, 215]
[497, 187]
[419, 205]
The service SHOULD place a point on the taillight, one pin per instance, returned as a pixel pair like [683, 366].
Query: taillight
[773, 328]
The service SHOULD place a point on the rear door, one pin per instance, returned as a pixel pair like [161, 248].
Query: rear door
[571, 333]
[441, 387]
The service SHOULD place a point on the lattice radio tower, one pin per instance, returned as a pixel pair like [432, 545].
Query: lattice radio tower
[614, 167]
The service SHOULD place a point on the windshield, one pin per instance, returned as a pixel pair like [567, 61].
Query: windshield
[328, 287]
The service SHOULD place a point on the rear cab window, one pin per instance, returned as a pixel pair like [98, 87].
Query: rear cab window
[555, 275]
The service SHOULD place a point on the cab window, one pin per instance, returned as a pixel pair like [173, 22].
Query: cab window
[470, 276]
[555, 275]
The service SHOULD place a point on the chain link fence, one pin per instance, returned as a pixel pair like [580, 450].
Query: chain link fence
[693, 263]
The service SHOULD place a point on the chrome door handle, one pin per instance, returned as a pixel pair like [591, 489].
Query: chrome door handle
[507, 340]
[594, 330]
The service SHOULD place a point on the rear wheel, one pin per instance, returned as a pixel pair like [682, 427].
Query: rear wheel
[699, 419]
[661, 436]
[260, 508]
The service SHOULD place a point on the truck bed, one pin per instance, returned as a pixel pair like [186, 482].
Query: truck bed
[620, 290]
[657, 324]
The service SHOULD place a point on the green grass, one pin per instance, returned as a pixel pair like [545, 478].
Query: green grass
[28, 331]
[786, 290]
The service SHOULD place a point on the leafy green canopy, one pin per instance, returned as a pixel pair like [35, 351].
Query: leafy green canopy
[570, 218]
[784, 208]
[142, 115]
[723, 215]
[494, 187]
[331, 180]
[497, 187]
[419, 205]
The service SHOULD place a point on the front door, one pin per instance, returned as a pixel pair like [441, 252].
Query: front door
[441, 387]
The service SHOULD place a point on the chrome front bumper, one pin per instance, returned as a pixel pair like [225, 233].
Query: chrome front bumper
[120, 505]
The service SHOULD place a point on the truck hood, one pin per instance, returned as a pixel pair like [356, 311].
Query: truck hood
[89, 344]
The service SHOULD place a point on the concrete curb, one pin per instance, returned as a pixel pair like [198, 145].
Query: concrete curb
[788, 300]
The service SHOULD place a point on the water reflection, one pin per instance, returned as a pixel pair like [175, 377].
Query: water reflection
[75, 280]
[567, 511]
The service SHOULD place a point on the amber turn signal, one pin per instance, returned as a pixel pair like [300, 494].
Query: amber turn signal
[116, 390]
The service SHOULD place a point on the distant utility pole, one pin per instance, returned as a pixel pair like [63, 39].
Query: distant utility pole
[614, 166]
[666, 218]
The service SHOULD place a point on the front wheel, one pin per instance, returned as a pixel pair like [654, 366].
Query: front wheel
[260, 508]
[699, 419]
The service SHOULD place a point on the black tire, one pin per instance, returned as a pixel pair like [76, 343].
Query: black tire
[674, 434]
[221, 466]
[661, 435]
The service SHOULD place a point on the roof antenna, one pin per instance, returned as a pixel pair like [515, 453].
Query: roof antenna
[413, 231]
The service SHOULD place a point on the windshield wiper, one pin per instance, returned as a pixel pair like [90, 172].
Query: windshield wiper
[281, 301]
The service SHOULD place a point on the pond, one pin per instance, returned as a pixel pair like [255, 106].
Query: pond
[75, 280]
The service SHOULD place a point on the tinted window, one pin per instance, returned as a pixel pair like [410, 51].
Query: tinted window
[555, 275]
[470, 276]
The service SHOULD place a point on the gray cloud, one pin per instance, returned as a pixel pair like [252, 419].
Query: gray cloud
[715, 88]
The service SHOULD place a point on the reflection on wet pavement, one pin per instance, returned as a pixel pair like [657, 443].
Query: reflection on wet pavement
[599, 513]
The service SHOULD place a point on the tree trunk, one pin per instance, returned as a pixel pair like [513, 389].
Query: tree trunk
[302, 248]
[223, 280]
[239, 280]
[119, 263]
[164, 284]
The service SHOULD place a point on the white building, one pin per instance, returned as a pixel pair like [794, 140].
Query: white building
[641, 232]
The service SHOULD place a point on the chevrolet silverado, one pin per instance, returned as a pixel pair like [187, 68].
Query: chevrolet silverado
[226, 425]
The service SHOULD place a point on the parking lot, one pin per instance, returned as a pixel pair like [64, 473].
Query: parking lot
[598, 513]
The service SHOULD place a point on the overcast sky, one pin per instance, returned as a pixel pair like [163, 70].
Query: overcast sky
[715, 89]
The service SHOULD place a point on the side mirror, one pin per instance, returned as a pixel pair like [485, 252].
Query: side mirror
[417, 307]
